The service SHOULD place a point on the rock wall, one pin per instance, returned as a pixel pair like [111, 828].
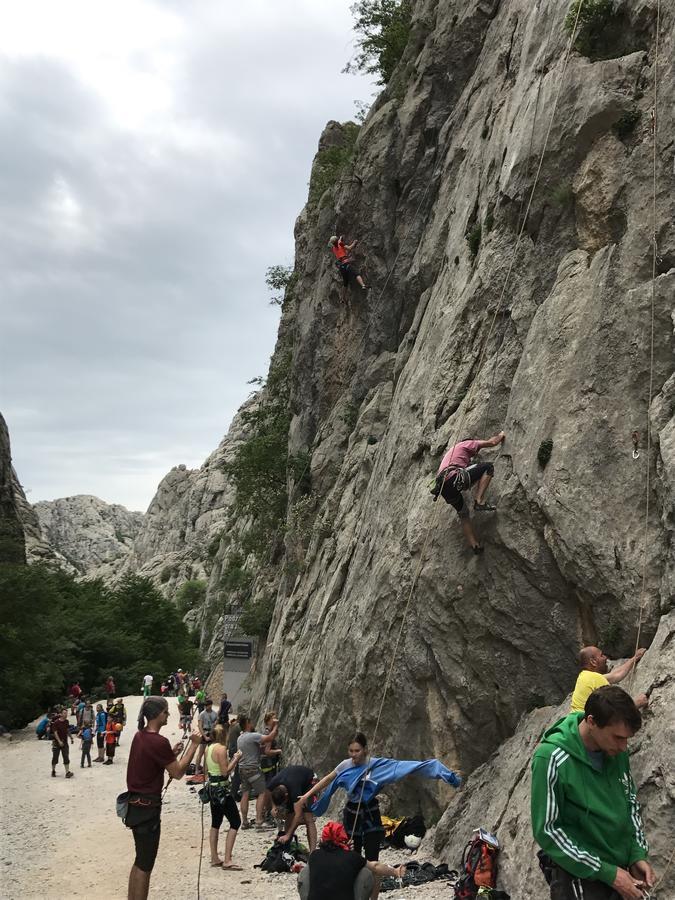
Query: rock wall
[431, 355]
[497, 795]
[12, 540]
[93, 536]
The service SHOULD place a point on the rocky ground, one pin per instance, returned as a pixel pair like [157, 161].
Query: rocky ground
[62, 839]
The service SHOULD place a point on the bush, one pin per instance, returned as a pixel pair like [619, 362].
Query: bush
[330, 163]
[190, 595]
[279, 279]
[544, 452]
[562, 195]
[383, 27]
[594, 19]
[473, 238]
[626, 124]
[256, 616]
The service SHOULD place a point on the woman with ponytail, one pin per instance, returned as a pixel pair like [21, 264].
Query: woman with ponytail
[219, 767]
[149, 757]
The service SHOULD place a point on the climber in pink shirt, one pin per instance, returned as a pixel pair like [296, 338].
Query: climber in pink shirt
[457, 473]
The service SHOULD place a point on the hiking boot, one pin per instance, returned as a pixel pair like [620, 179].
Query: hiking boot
[70, 774]
[484, 507]
[478, 549]
[246, 825]
[53, 774]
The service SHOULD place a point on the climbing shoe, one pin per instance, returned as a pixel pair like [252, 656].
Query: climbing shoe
[478, 549]
[484, 507]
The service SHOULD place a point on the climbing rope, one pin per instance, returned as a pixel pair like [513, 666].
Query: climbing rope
[655, 253]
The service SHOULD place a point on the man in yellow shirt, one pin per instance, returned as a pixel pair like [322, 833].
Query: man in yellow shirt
[594, 675]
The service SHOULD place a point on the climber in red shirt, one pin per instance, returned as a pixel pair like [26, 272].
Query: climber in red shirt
[344, 261]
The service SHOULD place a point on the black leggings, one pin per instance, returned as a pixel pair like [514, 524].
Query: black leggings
[454, 497]
[364, 822]
[229, 810]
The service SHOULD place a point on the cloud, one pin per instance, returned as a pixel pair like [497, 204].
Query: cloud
[153, 158]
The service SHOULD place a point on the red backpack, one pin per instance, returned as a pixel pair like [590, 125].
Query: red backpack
[479, 865]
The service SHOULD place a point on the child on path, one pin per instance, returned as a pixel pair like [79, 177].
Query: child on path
[110, 740]
[86, 738]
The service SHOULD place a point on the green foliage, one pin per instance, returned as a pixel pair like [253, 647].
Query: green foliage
[56, 630]
[383, 29]
[474, 237]
[544, 452]
[260, 464]
[256, 616]
[190, 595]
[165, 574]
[301, 518]
[235, 578]
[627, 123]
[592, 28]
[350, 416]
[489, 221]
[562, 195]
[279, 279]
[330, 163]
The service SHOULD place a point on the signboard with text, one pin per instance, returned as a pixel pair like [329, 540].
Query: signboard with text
[238, 649]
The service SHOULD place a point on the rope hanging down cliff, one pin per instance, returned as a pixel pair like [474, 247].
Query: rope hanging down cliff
[420, 564]
[655, 257]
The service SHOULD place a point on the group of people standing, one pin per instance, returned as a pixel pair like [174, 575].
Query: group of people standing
[80, 719]
[290, 795]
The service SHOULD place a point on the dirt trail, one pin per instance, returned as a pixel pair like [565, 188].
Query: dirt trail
[62, 839]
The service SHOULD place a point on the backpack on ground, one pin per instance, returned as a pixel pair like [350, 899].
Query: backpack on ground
[277, 860]
[410, 825]
[479, 865]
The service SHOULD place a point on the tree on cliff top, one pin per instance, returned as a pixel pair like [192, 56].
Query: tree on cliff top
[383, 27]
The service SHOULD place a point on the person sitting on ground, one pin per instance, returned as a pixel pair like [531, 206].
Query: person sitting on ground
[86, 736]
[335, 872]
[585, 812]
[251, 743]
[60, 731]
[345, 262]
[594, 675]
[219, 768]
[99, 730]
[362, 777]
[150, 756]
[205, 723]
[285, 790]
[456, 474]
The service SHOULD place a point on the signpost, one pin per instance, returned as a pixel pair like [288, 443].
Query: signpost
[238, 649]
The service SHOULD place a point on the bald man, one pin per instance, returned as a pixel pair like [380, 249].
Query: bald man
[594, 675]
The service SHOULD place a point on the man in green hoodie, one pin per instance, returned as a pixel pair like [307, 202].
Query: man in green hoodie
[585, 814]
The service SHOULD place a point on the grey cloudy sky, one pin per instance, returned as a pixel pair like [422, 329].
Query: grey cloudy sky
[153, 158]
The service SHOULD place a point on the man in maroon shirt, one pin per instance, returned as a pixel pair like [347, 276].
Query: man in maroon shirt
[149, 757]
[60, 730]
[456, 474]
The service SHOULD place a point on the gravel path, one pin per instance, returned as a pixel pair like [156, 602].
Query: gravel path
[62, 839]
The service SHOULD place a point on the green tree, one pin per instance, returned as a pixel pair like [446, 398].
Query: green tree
[383, 27]
[190, 595]
[278, 279]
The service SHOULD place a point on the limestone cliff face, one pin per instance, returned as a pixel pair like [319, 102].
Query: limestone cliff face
[94, 536]
[12, 540]
[430, 356]
[182, 529]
